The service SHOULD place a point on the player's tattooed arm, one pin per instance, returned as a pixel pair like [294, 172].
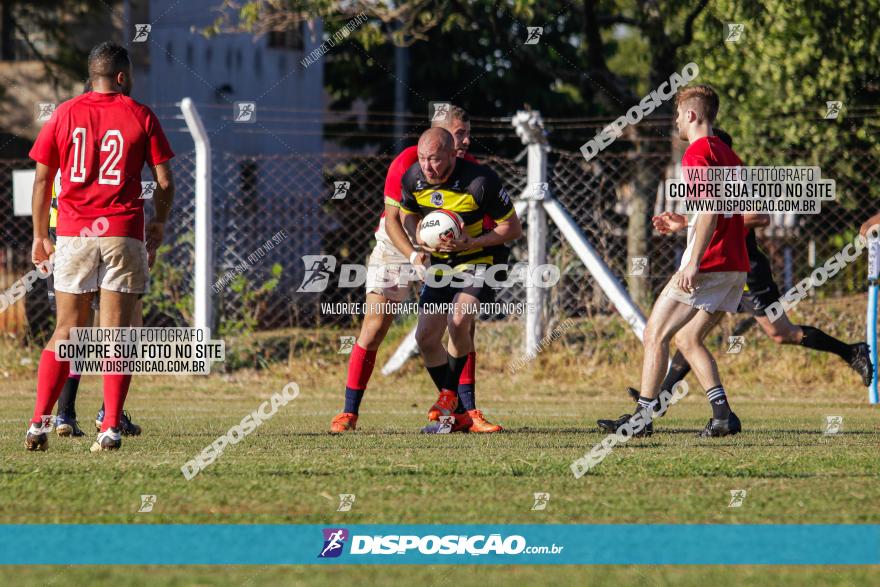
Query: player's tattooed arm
[41, 201]
[163, 198]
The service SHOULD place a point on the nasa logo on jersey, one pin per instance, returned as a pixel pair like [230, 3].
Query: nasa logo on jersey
[437, 199]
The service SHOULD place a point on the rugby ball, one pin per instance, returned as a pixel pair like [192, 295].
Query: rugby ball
[440, 226]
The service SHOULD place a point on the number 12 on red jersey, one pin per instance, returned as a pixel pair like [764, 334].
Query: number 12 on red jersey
[112, 143]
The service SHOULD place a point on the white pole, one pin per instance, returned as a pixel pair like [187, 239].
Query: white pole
[408, 348]
[537, 241]
[204, 259]
[597, 267]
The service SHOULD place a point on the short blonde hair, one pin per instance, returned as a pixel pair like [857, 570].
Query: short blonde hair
[702, 99]
[455, 113]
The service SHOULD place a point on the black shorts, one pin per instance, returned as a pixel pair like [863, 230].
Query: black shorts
[757, 297]
[500, 256]
[446, 294]
[761, 290]
[486, 294]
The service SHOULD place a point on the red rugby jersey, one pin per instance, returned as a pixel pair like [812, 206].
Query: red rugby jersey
[100, 142]
[727, 247]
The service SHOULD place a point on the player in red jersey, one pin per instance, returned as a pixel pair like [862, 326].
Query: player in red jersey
[710, 280]
[760, 293]
[393, 250]
[100, 141]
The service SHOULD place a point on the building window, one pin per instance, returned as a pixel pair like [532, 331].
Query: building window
[291, 38]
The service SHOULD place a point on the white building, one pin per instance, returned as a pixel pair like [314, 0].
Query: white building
[217, 72]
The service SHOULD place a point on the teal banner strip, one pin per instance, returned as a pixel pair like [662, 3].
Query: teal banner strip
[597, 544]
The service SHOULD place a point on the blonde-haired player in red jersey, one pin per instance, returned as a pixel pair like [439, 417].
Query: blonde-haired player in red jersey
[710, 279]
[100, 141]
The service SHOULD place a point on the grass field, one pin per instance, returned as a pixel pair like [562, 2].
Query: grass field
[291, 471]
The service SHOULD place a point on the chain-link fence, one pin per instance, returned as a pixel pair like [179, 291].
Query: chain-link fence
[15, 256]
[270, 211]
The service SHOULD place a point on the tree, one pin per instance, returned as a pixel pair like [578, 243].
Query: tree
[56, 33]
[793, 57]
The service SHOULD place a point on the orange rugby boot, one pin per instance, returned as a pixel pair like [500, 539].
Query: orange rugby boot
[446, 404]
[344, 422]
[480, 424]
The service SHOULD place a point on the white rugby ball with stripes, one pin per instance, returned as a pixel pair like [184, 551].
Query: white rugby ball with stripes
[440, 226]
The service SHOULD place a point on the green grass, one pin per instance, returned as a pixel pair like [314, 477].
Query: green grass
[440, 576]
[291, 471]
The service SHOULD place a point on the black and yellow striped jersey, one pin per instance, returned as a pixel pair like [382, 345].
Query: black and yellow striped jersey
[53, 207]
[472, 191]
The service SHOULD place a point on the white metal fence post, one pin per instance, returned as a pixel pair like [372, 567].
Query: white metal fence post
[530, 129]
[537, 239]
[597, 267]
[204, 257]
